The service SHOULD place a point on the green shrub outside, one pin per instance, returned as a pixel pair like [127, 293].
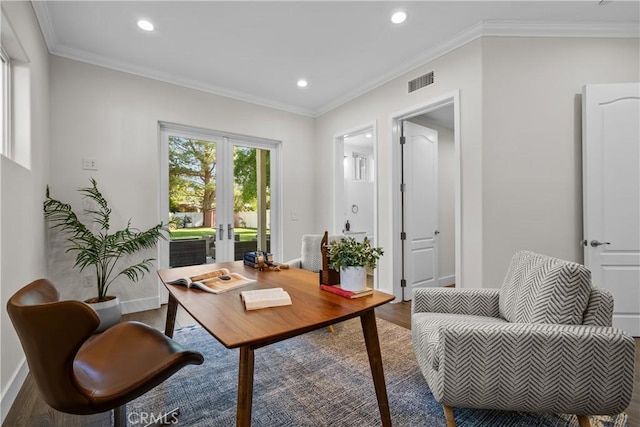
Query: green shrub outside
[245, 234]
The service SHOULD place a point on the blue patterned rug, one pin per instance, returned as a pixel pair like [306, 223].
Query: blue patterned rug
[318, 379]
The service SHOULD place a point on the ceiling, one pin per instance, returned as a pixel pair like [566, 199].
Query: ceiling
[256, 51]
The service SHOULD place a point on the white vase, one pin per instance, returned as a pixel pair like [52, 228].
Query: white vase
[108, 311]
[353, 278]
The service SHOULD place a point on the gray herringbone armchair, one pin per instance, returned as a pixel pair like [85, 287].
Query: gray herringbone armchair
[541, 343]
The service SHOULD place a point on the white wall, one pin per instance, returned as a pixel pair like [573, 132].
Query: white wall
[22, 231]
[446, 206]
[113, 117]
[532, 162]
[459, 69]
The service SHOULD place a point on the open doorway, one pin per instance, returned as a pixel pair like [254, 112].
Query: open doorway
[355, 186]
[426, 211]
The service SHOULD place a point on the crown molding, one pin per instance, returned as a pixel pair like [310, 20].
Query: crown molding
[481, 29]
[128, 68]
[559, 29]
[46, 27]
[470, 34]
[492, 29]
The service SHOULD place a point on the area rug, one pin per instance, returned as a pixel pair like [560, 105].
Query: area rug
[317, 379]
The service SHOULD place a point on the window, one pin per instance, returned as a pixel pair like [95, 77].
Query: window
[15, 85]
[360, 172]
[5, 106]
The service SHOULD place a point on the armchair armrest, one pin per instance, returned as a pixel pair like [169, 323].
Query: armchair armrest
[535, 367]
[475, 302]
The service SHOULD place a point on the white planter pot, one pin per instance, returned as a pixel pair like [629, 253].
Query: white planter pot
[353, 278]
[108, 311]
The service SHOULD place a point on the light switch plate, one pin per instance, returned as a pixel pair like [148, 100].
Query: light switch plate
[89, 164]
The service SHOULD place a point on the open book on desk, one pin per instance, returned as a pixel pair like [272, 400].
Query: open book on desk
[263, 298]
[216, 281]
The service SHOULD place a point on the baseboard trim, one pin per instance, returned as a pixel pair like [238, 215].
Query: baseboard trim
[11, 392]
[142, 304]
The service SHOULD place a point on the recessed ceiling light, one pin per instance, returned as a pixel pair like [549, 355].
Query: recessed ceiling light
[398, 17]
[368, 135]
[145, 25]
[302, 83]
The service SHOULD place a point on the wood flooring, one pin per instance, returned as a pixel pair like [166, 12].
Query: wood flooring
[29, 410]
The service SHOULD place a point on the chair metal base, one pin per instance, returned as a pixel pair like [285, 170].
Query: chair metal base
[120, 416]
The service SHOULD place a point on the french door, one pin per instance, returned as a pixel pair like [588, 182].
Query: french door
[219, 191]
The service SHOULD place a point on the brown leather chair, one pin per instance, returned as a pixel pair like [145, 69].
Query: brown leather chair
[78, 375]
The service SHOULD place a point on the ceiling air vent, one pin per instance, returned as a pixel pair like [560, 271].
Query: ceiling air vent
[420, 82]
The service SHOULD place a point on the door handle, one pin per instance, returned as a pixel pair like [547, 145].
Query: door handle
[230, 231]
[595, 243]
[221, 232]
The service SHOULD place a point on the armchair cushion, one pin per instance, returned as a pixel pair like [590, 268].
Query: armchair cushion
[478, 302]
[425, 329]
[542, 289]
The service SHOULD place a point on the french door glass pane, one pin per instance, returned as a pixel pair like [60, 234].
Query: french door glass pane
[192, 201]
[251, 200]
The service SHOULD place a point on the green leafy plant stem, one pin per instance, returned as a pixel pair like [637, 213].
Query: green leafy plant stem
[101, 249]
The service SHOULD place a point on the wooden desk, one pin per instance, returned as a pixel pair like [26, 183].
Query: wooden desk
[224, 316]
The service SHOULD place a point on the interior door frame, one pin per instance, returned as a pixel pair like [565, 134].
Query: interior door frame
[231, 139]
[338, 181]
[395, 218]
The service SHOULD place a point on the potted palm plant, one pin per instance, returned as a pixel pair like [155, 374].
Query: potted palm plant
[351, 258]
[96, 247]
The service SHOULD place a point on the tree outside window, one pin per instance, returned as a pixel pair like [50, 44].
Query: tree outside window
[192, 177]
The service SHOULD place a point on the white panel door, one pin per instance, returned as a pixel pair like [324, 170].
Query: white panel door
[421, 206]
[611, 185]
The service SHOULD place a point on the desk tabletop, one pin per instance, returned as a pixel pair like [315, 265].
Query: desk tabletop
[223, 315]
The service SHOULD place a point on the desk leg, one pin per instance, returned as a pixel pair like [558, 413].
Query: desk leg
[370, 331]
[245, 387]
[172, 309]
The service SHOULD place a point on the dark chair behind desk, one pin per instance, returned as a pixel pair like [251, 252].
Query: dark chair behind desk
[183, 252]
[79, 375]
